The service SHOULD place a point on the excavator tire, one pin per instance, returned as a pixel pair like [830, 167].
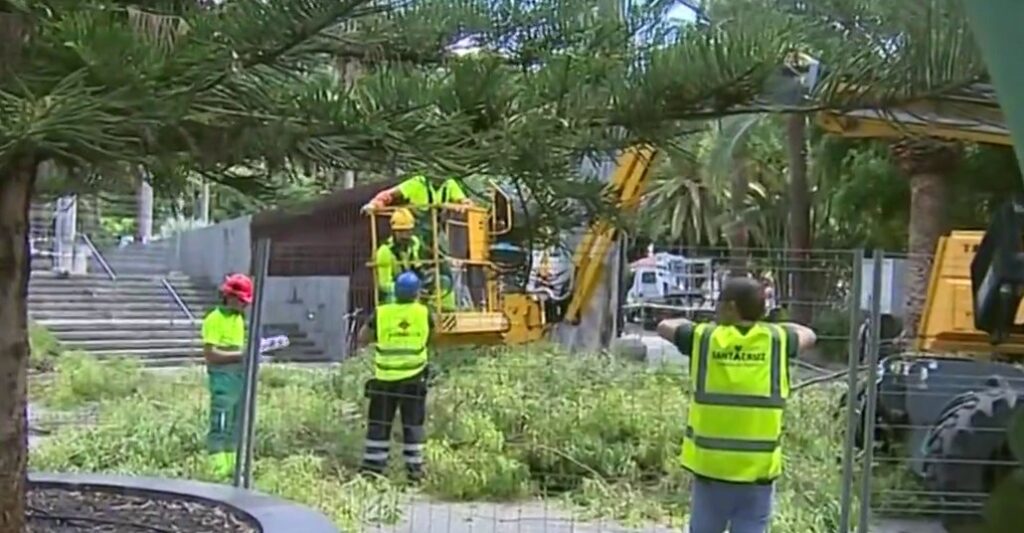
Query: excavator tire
[964, 447]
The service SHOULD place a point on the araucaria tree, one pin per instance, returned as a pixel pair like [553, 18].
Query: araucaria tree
[212, 86]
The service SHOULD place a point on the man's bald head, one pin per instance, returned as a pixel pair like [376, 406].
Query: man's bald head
[741, 299]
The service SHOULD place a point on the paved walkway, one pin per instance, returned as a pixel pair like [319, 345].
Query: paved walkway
[525, 517]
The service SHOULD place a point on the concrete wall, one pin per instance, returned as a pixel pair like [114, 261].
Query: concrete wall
[207, 254]
[317, 304]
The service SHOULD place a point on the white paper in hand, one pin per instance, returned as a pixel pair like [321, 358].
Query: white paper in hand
[272, 344]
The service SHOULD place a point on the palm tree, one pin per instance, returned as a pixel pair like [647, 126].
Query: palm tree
[927, 163]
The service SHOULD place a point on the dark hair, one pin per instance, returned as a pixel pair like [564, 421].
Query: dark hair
[747, 295]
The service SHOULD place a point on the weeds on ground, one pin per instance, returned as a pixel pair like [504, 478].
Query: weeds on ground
[505, 424]
[44, 348]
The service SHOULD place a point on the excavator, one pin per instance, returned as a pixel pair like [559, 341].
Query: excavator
[951, 397]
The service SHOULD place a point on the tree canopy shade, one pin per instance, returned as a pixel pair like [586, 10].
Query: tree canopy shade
[212, 87]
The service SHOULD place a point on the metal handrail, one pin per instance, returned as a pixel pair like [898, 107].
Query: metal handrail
[177, 299]
[99, 257]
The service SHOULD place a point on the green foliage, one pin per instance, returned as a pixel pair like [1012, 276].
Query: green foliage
[45, 348]
[833, 329]
[597, 433]
[80, 378]
[113, 227]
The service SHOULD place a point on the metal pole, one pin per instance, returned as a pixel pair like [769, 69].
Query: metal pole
[872, 392]
[853, 362]
[243, 461]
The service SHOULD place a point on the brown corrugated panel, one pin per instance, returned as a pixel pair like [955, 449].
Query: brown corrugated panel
[325, 237]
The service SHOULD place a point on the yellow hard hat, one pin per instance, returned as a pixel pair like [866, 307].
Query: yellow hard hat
[402, 219]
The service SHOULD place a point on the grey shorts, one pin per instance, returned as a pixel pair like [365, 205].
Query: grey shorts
[717, 506]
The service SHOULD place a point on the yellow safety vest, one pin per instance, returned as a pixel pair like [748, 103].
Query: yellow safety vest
[390, 264]
[403, 330]
[409, 257]
[740, 385]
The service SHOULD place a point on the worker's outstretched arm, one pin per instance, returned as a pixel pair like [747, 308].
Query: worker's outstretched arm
[806, 337]
[368, 333]
[669, 329]
[392, 196]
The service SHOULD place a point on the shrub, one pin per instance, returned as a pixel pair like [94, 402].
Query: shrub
[81, 378]
[505, 424]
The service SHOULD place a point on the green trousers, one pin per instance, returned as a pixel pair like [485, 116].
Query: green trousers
[225, 384]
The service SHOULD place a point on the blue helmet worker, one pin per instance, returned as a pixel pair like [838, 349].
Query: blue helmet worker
[402, 330]
[407, 287]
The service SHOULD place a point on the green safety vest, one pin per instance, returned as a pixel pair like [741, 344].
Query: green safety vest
[407, 258]
[740, 385]
[418, 191]
[403, 330]
[391, 264]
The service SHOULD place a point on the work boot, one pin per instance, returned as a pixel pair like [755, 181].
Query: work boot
[414, 475]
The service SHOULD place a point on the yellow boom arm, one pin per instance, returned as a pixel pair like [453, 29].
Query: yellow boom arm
[626, 185]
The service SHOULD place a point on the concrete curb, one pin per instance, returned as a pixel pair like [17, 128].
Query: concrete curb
[273, 515]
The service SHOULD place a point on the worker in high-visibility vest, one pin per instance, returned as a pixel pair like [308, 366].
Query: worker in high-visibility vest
[420, 191]
[223, 334]
[404, 252]
[402, 331]
[739, 372]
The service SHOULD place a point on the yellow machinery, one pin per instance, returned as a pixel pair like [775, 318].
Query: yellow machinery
[949, 402]
[947, 321]
[488, 310]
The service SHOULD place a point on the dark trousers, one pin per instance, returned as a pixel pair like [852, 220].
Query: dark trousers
[409, 398]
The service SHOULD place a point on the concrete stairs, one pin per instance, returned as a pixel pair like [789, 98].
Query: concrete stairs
[135, 315]
[137, 259]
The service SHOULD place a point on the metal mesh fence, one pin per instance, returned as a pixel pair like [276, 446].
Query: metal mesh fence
[935, 407]
[529, 437]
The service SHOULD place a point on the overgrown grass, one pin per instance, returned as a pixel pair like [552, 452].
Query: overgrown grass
[44, 348]
[595, 432]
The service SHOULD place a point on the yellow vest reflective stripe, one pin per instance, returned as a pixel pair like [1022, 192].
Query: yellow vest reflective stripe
[740, 386]
[402, 334]
[409, 257]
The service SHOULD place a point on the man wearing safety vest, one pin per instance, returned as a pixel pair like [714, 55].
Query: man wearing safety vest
[404, 252]
[420, 191]
[402, 331]
[739, 372]
[223, 335]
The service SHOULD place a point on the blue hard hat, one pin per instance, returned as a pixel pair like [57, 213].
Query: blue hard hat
[407, 286]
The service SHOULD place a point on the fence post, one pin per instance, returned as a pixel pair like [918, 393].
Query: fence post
[247, 424]
[872, 391]
[853, 365]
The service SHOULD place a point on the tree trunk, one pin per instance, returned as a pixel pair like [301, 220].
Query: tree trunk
[799, 230]
[927, 163]
[15, 196]
[737, 232]
[143, 207]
